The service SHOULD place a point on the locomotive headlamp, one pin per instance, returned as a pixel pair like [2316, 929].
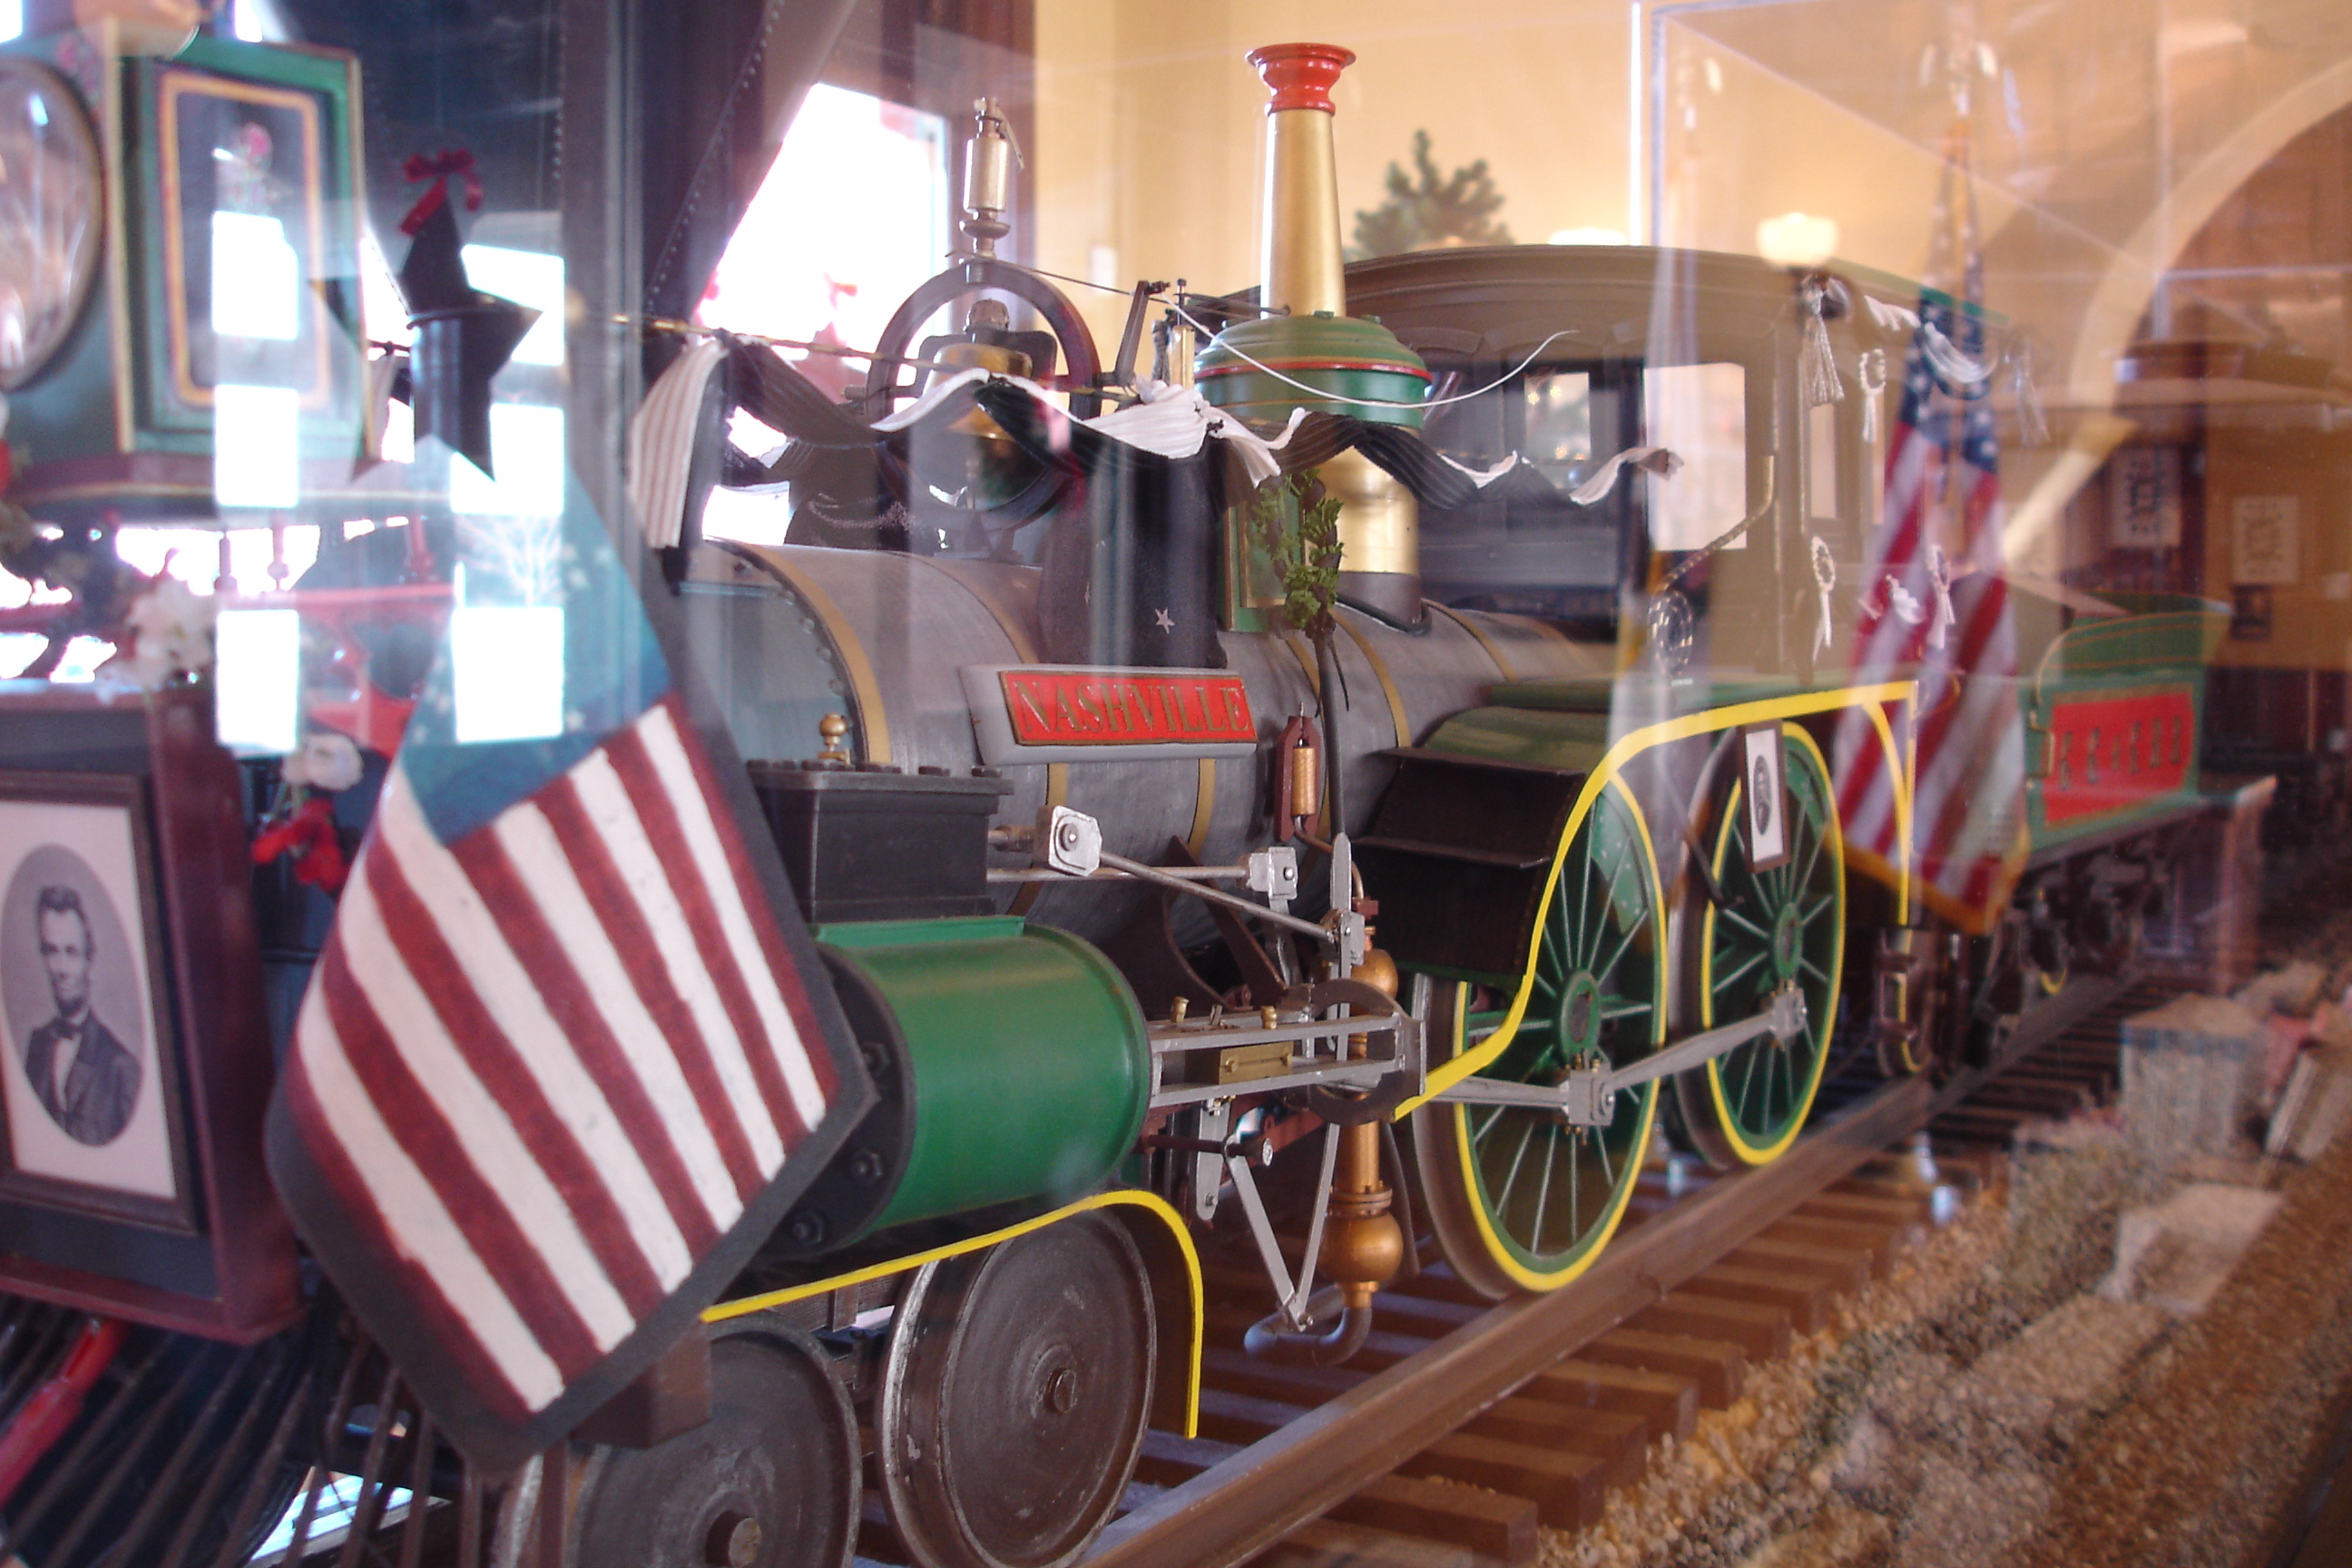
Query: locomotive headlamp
[51, 187]
[989, 159]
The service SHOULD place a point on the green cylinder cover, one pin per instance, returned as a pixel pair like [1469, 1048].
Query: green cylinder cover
[1028, 1056]
[1338, 357]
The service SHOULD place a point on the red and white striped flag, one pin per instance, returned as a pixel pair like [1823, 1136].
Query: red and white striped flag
[1944, 611]
[558, 1071]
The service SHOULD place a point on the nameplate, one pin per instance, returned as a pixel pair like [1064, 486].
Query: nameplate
[1061, 713]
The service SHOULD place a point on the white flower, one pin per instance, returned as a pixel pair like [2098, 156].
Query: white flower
[327, 760]
[168, 631]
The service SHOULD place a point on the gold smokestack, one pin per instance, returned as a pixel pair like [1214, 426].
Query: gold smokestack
[1357, 366]
[1298, 260]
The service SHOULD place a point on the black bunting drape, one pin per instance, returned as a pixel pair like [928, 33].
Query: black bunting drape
[859, 473]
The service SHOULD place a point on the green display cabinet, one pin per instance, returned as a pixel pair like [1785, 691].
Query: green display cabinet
[181, 338]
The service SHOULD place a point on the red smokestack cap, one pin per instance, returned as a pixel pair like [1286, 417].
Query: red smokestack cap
[1301, 75]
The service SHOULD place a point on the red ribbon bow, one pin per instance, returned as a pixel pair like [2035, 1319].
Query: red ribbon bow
[438, 168]
[310, 836]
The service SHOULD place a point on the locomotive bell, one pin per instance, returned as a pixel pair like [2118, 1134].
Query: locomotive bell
[1314, 355]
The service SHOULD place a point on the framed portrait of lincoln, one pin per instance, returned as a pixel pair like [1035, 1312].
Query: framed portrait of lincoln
[136, 1061]
[88, 1087]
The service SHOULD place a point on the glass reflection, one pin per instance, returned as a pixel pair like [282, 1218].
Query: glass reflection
[507, 665]
[256, 677]
[257, 446]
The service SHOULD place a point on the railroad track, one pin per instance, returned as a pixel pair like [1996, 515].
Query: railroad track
[1544, 1403]
[1541, 1404]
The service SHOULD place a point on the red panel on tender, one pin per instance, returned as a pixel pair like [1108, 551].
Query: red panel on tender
[2109, 753]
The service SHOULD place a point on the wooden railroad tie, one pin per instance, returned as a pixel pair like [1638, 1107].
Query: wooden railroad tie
[1718, 1367]
[1489, 1523]
[1327, 1543]
[1567, 1488]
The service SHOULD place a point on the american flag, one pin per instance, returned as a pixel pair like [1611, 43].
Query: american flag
[1943, 482]
[557, 1071]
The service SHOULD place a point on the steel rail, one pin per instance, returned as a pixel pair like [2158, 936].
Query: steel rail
[2037, 1028]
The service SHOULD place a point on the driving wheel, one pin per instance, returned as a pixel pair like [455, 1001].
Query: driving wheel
[1518, 1198]
[1014, 1396]
[1751, 929]
[770, 1481]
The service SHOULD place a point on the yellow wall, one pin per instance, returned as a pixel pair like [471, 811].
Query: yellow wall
[1148, 132]
[1148, 126]
[2309, 625]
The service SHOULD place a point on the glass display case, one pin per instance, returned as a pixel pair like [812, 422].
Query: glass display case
[988, 784]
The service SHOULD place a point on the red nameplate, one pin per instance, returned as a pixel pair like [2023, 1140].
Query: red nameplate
[1139, 708]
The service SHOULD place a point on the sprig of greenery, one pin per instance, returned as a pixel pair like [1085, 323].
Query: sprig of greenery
[1306, 559]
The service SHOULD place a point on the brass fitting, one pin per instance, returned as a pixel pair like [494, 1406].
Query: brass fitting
[1363, 1245]
[831, 729]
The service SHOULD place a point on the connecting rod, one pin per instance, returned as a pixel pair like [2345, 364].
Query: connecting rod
[1587, 1097]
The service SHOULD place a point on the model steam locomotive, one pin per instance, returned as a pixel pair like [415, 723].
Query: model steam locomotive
[1174, 848]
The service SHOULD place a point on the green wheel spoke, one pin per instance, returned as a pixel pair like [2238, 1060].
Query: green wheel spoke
[1575, 1180]
[1603, 971]
[1543, 1190]
[1593, 918]
[1812, 855]
[1614, 902]
[1744, 922]
[1733, 978]
[1527, 1135]
[1567, 921]
[1600, 901]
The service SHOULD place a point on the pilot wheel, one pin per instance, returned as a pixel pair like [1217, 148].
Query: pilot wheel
[1014, 1397]
[770, 1481]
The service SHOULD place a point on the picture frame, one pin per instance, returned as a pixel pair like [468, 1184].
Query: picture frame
[1764, 795]
[266, 134]
[2265, 540]
[276, 135]
[93, 1115]
[187, 1232]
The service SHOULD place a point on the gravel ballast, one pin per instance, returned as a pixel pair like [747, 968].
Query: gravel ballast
[1986, 1405]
